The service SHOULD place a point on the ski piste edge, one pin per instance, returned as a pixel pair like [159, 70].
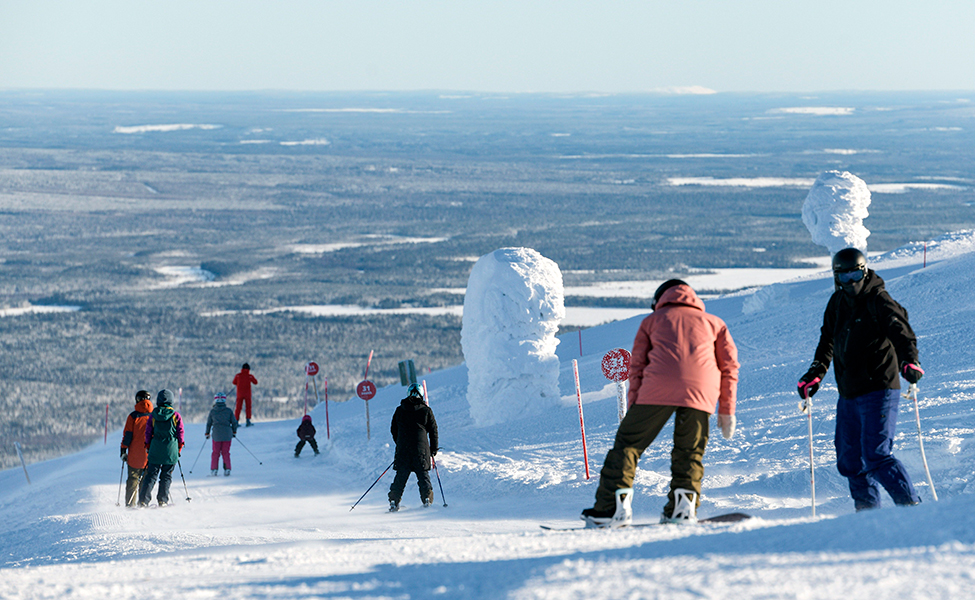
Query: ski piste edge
[734, 517]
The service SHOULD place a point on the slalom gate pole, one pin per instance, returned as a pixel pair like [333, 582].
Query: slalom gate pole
[807, 408]
[370, 487]
[22, 463]
[118, 499]
[582, 423]
[184, 480]
[198, 455]
[437, 471]
[328, 433]
[912, 393]
[306, 393]
[248, 450]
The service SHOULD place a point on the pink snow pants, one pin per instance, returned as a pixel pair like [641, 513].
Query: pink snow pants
[220, 449]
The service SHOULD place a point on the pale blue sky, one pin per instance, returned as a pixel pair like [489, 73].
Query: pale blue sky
[488, 45]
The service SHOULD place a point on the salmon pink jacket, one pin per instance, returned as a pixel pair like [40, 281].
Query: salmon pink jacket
[683, 356]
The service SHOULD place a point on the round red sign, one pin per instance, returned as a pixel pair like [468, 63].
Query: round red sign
[311, 369]
[365, 390]
[616, 365]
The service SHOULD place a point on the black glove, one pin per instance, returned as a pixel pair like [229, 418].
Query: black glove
[434, 451]
[809, 383]
[912, 372]
[125, 454]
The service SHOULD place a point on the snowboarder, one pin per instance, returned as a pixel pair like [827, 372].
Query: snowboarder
[224, 426]
[134, 445]
[306, 433]
[866, 335]
[414, 430]
[243, 382]
[683, 362]
[164, 440]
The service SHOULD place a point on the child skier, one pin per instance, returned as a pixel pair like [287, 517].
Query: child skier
[224, 426]
[412, 425]
[306, 433]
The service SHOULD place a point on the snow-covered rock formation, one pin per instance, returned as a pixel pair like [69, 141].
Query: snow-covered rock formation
[512, 310]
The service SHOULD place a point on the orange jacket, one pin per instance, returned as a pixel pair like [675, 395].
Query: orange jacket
[682, 356]
[134, 434]
[243, 381]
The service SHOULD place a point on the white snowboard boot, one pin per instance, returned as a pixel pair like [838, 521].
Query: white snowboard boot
[624, 508]
[685, 507]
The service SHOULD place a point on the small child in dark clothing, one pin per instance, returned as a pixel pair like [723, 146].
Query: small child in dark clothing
[306, 433]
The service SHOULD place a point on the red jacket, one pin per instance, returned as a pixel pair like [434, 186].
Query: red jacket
[243, 381]
[682, 356]
[134, 434]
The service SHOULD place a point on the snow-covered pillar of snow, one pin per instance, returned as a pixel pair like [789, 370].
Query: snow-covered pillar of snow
[834, 211]
[512, 310]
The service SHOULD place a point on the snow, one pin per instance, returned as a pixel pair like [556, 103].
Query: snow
[512, 310]
[17, 311]
[283, 529]
[834, 211]
[162, 128]
[818, 111]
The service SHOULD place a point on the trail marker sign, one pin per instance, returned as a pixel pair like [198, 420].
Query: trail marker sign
[311, 369]
[365, 390]
[616, 367]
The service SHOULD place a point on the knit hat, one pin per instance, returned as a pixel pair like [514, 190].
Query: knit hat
[220, 397]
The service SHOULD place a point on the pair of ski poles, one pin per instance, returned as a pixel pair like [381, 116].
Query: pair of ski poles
[806, 407]
[435, 469]
[205, 445]
[118, 500]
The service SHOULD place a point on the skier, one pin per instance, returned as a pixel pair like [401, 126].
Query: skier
[683, 362]
[164, 439]
[866, 335]
[243, 381]
[306, 433]
[413, 423]
[221, 420]
[134, 445]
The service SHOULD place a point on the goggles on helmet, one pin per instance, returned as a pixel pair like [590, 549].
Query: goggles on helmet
[849, 276]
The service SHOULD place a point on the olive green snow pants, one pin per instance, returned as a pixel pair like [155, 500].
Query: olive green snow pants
[639, 428]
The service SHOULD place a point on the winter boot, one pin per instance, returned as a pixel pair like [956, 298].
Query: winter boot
[393, 505]
[297, 453]
[226, 472]
[248, 423]
[685, 508]
[428, 501]
[213, 472]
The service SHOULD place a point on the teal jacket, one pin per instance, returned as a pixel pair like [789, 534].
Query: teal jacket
[164, 435]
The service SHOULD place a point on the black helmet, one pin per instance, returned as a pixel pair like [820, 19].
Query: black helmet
[849, 270]
[663, 288]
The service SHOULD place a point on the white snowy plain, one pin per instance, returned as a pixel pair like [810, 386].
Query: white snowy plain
[284, 529]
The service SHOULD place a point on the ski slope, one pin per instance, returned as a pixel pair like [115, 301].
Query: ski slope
[283, 529]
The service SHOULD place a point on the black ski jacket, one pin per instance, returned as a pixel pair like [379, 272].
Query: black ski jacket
[868, 336]
[412, 424]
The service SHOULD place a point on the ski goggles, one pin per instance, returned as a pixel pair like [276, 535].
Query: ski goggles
[849, 276]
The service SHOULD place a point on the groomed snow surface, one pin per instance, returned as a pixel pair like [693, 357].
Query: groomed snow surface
[283, 529]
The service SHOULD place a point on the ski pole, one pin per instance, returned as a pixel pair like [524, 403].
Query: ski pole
[118, 499]
[437, 471]
[193, 466]
[912, 393]
[371, 486]
[806, 407]
[248, 450]
[184, 480]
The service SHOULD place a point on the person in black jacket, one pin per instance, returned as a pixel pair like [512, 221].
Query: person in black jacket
[412, 424]
[867, 337]
[306, 433]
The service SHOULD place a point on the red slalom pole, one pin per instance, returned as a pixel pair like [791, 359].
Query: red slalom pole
[368, 362]
[306, 393]
[582, 423]
[328, 434]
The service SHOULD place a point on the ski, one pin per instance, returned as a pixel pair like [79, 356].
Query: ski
[733, 517]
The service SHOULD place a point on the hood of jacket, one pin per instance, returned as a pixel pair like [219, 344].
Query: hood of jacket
[143, 406]
[680, 295]
[163, 412]
[414, 402]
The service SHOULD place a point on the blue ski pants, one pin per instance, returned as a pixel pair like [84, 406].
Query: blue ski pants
[865, 430]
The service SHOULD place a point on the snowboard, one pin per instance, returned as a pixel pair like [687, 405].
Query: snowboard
[733, 517]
